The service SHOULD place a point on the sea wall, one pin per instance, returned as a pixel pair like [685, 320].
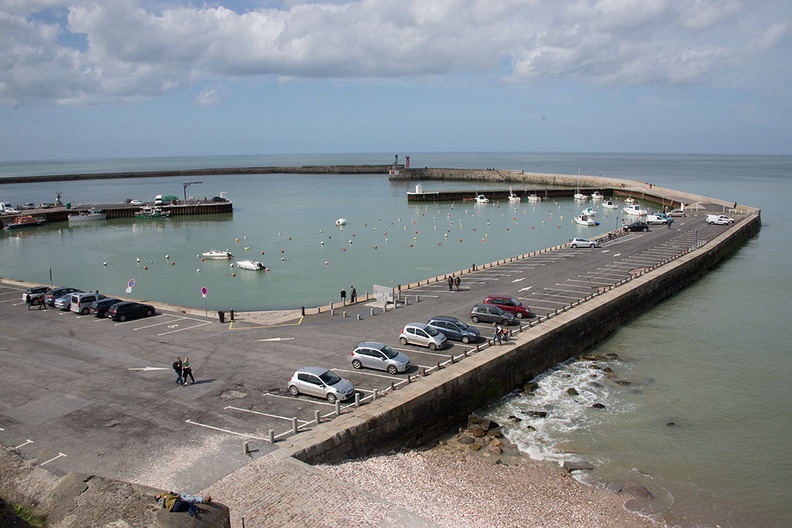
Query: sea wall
[419, 411]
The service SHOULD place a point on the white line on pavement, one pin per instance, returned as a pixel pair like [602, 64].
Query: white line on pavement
[226, 430]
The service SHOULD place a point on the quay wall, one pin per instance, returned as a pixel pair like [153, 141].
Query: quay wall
[423, 409]
[61, 214]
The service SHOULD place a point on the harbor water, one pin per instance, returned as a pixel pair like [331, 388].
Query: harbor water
[699, 423]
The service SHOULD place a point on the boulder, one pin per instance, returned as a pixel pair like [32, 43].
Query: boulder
[598, 405]
[466, 440]
[572, 391]
[494, 449]
[575, 465]
[478, 432]
[478, 421]
[475, 447]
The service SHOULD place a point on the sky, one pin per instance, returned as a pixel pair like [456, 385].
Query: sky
[88, 79]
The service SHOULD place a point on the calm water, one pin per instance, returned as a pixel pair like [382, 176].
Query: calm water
[713, 360]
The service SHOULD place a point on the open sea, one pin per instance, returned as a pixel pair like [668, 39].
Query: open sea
[704, 426]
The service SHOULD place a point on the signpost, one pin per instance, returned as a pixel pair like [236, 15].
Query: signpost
[203, 293]
[129, 285]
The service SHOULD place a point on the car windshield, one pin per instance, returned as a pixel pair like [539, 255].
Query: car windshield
[461, 325]
[515, 301]
[331, 378]
[388, 351]
[431, 330]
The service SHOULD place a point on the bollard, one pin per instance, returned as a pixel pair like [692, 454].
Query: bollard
[374, 394]
[406, 300]
[245, 448]
[452, 359]
[221, 316]
[344, 314]
[331, 307]
[393, 386]
[417, 298]
[303, 311]
[294, 425]
[357, 399]
[317, 417]
[271, 436]
[337, 408]
[359, 317]
[332, 311]
[232, 314]
[409, 378]
[372, 312]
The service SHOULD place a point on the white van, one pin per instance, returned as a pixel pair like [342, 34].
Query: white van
[81, 302]
[719, 219]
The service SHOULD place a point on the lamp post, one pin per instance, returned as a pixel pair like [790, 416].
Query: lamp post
[185, 185]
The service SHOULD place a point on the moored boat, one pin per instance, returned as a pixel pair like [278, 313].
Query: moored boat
[341, 222]
[482, 199]
[90, 215]
[588, 211]
[635, 209]
[513, 197]
[216, 254]
[25, 221]
[580, 196]
[533, 198]
[586, 220]
[253, 265]
[152, 212]
[596, 195]
[609, 204]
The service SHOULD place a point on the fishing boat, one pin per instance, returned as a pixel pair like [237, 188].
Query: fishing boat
[25, 221]
[152, 212]
[629, 200]
[533, 198]
[588, 211]
[90, 215]
[609, 204]
[586, 220]
[596, 195]
[635, 210]
[513, 198]
[253, 265]
[482, 199]
[341, 222]
[216, 254]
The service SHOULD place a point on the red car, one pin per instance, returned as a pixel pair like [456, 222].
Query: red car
[509, 304]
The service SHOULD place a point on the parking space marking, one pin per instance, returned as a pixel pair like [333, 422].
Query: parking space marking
[303, 422]
[226, 430]
[60, 455]
[525, 289]
[276, 339]
[185, 328]
[519, 280]
[299, 322]
[146, 369]
[27, 441]
[368, 374]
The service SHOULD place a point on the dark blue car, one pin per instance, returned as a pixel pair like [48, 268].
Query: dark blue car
[455, 329]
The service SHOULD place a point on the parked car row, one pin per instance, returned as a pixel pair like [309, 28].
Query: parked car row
[434, 334]
[83, 303]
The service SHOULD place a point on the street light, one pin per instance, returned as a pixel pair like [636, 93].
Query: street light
[185, 185]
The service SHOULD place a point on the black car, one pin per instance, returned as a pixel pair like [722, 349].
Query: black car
[455, 329]
[128, 309]
[55, 293]
[99, 308]
[636, 226]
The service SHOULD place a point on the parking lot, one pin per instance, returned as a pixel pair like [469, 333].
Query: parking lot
[81, 393]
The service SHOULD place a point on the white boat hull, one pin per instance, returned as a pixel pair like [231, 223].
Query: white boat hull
[215, 254]
[252, 265]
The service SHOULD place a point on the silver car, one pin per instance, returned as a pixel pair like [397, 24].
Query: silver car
[380, 357]
[317, 381]
[583, 242]
[422, 334]
[63, 302]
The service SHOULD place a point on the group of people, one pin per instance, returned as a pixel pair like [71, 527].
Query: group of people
[29, 301]
[180, 503]
[454, 282]
[352, 295]
[183, 371]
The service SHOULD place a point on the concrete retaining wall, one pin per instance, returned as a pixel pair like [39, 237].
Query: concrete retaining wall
[423, 409]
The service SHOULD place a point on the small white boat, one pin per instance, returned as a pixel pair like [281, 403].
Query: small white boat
[629, 200]
[216, 254]
[586, 220]
[588, 211]
[596, 195]
[253, 265]
[513, 198]
[90, 215]
[580, 196]
[482, 199]
[152, 212]
[635, 210]
[609, 204]
[341, 221]
[533, 198]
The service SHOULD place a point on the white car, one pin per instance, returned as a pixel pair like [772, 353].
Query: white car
[719, 219]
[422, 334]
[583, 242]
[659, 218]
[135, 202]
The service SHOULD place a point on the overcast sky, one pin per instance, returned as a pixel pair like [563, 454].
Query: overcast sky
[146, 78]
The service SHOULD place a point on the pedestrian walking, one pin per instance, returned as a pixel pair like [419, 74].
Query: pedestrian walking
[497, 336]
[352, 294]
[187, 371]
[457, 282]
[450, 283]
[28, 300]
[177, 366]
[41, 303]
[343, 296]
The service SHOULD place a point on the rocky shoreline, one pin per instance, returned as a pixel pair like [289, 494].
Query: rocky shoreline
[475, 476]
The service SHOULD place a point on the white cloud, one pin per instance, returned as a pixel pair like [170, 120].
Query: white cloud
[210, 96]
[137, 49]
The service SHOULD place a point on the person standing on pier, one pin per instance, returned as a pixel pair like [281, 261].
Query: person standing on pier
[343, 296]
[457, 282]
[497, 334]
[450, 283]
[352, 295]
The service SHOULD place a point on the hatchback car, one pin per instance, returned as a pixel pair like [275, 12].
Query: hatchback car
[54, 293]
[583, 242]
[36, 294]
[128, 309]
[422, 334]
[455, 329]
[489, 313]
[81, 302]
[63, 302]
[317, 381]
[99, 308]
[636, 226]
[509, 304]
[380, 357]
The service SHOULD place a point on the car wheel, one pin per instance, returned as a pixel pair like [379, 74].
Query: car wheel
[403, 340]
[592, 245]
[357, 364]
[331, 397]
[519, 315]
[432, 346]
[465, 339]
[475, 319]
[294, 390]
[122, 318]
[646, 229]
[149, 313]
[392, 369]
[84, 311]
[505, 322]
[574, 246]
